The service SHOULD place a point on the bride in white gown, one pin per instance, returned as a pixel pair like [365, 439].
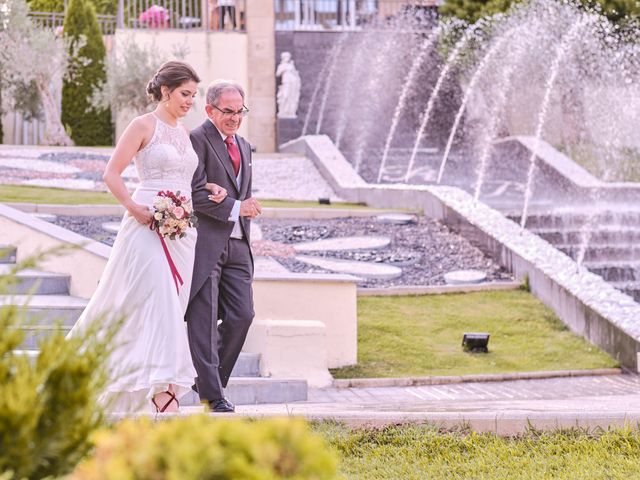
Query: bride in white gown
[151, 366]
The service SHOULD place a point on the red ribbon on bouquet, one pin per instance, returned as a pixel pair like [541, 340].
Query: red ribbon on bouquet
[174, 271]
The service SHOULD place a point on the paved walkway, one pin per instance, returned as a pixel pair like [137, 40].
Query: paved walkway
[502, 407]
[82, 168]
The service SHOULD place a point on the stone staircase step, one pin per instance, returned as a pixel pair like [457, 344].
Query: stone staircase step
[248, 365]
[615, 271]
[603, 253]
[250, 391]
[603, 235]
[35, 333]
[578, 220]
[48, 309]
[630, 288]
[36, 282]
[7, 254]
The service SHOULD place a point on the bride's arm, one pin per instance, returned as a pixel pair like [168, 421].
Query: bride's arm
[131, 141]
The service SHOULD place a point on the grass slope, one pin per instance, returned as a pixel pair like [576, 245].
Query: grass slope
[421, 452]
[422, 335]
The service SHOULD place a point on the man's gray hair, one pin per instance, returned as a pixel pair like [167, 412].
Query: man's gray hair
[217, 87]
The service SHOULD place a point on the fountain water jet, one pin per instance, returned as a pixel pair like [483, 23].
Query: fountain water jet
[316, 89]
[347, 89]
[567, 41]
[374, 74]
[329, 82]
[470, 88]
[451, 59]
[425, 48]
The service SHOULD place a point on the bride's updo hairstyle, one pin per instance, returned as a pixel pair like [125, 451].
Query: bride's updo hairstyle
[172, 75]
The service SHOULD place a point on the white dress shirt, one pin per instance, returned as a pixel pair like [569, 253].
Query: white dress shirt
[235, 211]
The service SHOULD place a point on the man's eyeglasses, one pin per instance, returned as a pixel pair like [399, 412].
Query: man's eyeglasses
[243, 112]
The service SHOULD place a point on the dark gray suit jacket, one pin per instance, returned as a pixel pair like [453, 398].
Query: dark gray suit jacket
[214, 228]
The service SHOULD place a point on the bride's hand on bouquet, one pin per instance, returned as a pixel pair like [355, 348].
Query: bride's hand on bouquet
[218, 193]
[141, 213]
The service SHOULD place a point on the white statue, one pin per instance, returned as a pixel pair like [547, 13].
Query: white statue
[289, 90]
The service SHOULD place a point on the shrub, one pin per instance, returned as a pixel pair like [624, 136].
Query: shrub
[88, 125]
[107, 7]
[48, 405]
[201, 447]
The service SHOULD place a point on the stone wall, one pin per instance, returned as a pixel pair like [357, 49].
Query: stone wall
[309, 51]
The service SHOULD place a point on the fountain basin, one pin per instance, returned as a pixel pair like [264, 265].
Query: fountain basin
[587, 304]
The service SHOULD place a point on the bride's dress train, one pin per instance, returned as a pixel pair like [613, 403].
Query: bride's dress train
[152, 349]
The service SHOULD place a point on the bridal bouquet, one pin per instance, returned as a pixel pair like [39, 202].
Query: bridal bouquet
[173, 214]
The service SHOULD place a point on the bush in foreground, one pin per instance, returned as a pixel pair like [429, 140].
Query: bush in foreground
[48, 405]
[201, 447]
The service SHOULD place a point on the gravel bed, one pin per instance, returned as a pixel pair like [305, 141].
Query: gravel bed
[425, 250]
[90, 227]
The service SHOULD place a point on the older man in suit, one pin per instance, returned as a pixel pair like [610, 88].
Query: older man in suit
[223, 270]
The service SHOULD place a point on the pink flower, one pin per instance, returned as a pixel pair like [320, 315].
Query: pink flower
[178, 212]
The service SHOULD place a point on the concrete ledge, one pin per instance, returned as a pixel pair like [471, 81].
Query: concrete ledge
[330, 299]
[447, 380]
[437, 289]
[328, 160]
[506, 423]
[291, 349]
[82, 259]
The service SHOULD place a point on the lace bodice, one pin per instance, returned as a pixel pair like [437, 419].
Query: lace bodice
[168, 158]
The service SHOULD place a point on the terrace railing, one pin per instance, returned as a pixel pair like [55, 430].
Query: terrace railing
[55, 20]
[220, 15]
[339, 14]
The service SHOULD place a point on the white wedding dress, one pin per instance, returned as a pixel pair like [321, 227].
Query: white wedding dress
[152, 348]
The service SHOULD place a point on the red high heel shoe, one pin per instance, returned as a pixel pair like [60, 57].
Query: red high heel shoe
[172, 398]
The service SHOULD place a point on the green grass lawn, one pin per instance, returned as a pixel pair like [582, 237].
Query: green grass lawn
[422, 335]
[421, 452]
[61, 196]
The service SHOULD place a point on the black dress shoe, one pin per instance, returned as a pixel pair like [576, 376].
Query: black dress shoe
[221, 405]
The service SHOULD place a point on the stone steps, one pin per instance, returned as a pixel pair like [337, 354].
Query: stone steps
[249, 391]
[615, 271]
[7, 254]
[49, 308]
[604, 235]
[630, 288]
[578, 220]
[35, 282]
[600, 253]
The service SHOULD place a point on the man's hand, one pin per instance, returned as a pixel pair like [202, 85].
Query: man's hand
[218, 193]
[250, 208]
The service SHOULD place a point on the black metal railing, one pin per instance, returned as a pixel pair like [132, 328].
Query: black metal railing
[214, 15]
[55, 20]
[339, 14]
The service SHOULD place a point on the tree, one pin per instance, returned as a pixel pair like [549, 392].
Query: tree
[31, 59]
[105, 7]
[128, 73]
[618, 11]
[88, 125]
[473, 10]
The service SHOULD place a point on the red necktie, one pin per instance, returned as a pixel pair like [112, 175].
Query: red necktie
[234, 153]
